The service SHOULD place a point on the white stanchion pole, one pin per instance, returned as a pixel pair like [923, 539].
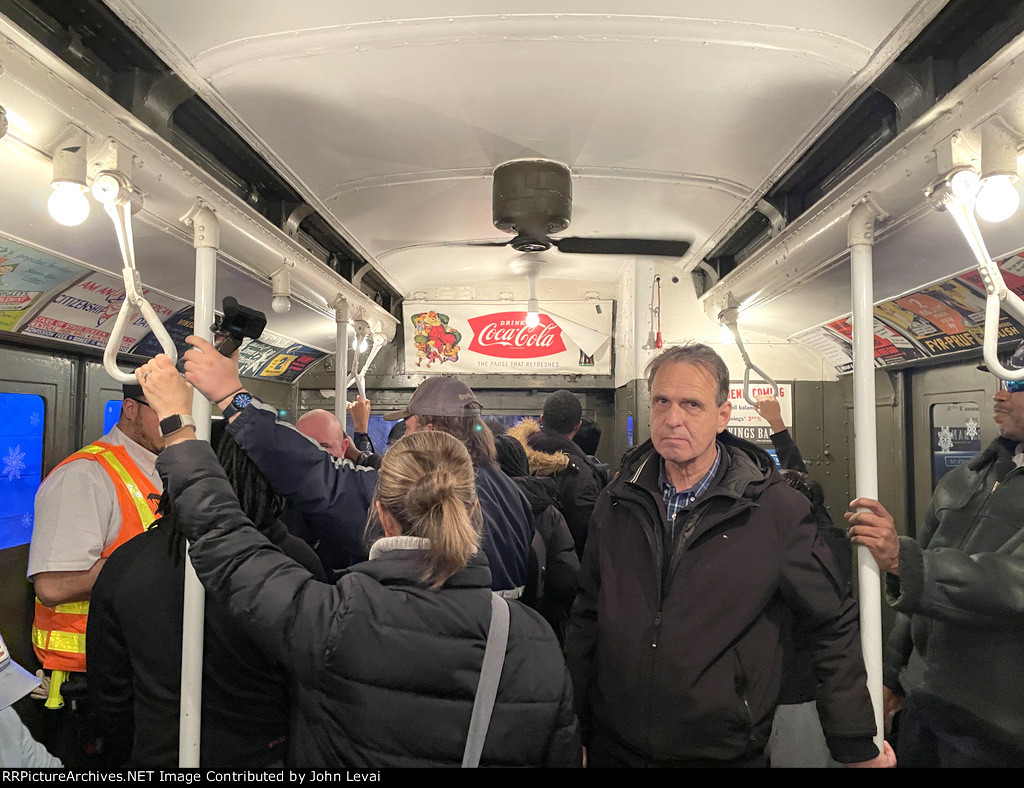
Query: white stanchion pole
[861, 239]
[341, 315]
[207, 237]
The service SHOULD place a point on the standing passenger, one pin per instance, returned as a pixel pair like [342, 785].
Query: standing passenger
[318, 485]
[699, 554]
[92, 503]
[797, 740]
[577, 485]
[385, 663]
[954, 655]
[135, 631]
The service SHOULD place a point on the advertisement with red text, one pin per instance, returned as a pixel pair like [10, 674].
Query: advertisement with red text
[471, 338]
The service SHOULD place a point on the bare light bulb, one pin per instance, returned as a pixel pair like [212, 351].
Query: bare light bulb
[362, 347]
[68, 204]
[725, 335]
[998, 199]
[281, 304]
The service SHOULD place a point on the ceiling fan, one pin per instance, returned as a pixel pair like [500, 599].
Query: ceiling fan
[533, 199]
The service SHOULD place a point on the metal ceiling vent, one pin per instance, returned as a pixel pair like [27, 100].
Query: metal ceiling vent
[963, 36]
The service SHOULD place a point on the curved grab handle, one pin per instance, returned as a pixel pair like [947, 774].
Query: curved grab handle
[359, 377]
[998, 295]
[746, 383]
[120, 214]
[750, 367]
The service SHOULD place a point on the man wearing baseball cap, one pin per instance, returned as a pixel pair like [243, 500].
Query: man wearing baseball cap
[17, 747]
[954, 656]
[317, 484]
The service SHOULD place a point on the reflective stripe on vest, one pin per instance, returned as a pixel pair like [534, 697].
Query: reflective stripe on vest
[58, 634]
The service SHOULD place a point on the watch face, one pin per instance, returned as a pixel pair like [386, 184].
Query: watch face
[242, 399]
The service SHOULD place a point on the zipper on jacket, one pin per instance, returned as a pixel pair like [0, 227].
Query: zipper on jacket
[740, 678]
[657, 630]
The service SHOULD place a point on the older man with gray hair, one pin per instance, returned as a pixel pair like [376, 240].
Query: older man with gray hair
[699, 556]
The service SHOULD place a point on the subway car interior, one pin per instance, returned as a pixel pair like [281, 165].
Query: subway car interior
[531, 199]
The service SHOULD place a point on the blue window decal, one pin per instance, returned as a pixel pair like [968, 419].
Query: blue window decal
[21, 455]
[111, 414]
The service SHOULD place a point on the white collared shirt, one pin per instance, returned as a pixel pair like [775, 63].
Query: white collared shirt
[76, 510]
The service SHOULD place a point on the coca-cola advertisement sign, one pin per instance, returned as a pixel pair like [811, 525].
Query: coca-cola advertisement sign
[492, 338]
[506, 335]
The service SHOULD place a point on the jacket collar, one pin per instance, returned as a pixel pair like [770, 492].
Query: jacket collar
[401, 563]
[999, 449]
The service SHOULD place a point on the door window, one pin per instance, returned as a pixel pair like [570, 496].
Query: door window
[21, 454]
[955, 436]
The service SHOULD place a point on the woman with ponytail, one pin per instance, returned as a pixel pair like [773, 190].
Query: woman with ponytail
[384, 664]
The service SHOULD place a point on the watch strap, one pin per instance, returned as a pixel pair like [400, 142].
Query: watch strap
[174, 423]
[238, 403]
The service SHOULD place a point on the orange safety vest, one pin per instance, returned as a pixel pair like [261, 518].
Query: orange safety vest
[58, 633]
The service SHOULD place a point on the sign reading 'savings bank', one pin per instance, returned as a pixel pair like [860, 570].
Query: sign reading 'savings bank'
[472, 338]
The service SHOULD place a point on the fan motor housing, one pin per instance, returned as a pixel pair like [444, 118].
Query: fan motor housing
[532, 196]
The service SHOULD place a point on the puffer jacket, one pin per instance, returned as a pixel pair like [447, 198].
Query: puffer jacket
[383, 670]
[957, 647]
[562, 567]
[675, 649]
[576, 483]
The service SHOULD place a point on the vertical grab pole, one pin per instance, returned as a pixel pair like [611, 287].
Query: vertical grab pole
[861, 237]
[341, 313]
[206, 241]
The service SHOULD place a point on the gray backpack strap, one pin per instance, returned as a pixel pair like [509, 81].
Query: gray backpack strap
[487, 688]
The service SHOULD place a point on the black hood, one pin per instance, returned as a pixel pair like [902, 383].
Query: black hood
[540, 491]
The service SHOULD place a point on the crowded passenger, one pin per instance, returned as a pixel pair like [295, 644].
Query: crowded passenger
[320, 486]
[559, 568]
[577, 486]
[588, 438]
[384, 664]
[698, 553]
[337, 536]
[90, 504]
[953, 655]
[797, 740]
[135, 637]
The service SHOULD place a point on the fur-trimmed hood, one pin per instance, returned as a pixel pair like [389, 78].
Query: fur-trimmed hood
[541, 463]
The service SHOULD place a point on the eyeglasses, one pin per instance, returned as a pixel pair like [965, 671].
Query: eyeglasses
[141, 402]
[1012, 386]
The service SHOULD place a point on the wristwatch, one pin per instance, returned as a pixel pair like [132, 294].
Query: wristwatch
[238, 402]
[175, 423]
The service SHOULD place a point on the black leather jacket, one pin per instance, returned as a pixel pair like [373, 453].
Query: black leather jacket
[957, 647]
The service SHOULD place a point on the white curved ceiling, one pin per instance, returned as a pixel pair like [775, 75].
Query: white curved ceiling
[390, 116]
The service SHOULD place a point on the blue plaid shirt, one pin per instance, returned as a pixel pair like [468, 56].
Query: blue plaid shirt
[675, 499]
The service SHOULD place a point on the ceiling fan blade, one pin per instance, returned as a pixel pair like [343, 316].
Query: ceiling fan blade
[631, 246]
[486, 243]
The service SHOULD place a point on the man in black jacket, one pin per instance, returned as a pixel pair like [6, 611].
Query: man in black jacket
[698, 555]
[577, 485]
[954, 655]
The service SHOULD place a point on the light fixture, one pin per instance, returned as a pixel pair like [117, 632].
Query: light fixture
[533, 305]
[725, 336]
[997, 199]
[68, 204]
[360, 342]
[281, 280]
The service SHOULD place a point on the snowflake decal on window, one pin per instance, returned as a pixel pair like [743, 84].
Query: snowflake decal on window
[34, 419]
[945, 439]
[14, 463]
[972, 428]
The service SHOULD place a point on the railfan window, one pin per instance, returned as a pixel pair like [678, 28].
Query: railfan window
[21, 452]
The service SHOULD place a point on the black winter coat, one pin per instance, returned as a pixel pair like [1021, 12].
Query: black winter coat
[134, 662]
[577, 486]
[562, 567]
[384, 670]
[675, 649]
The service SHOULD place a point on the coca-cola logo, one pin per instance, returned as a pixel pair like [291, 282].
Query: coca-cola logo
[506, 335]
